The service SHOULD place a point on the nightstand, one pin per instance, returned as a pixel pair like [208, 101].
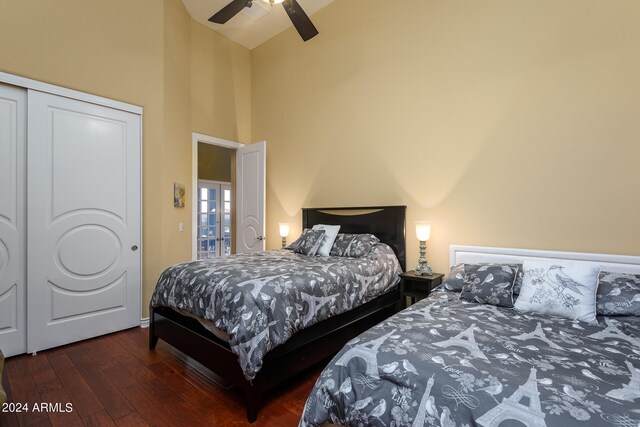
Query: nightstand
[417, 287]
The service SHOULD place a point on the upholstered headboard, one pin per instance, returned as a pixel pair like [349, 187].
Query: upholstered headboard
[385, 222]
[482, 254]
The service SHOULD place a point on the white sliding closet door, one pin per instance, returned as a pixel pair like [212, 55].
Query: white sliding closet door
[83, 220]
[12, 220]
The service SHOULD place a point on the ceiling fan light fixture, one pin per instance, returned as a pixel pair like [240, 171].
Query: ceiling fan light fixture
[298, 17]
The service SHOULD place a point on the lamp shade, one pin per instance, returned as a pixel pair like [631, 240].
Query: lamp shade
[423, 231]
[284, 229]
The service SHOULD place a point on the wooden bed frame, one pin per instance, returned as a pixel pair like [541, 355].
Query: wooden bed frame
[309, 346]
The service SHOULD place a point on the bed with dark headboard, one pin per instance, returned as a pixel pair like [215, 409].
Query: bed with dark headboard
[387, 223]
[308, 346]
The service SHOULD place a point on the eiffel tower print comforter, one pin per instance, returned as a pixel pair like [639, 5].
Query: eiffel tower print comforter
[263, 298]
[446, 362]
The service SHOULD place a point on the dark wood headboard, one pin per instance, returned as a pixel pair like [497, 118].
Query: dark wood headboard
[387, 223]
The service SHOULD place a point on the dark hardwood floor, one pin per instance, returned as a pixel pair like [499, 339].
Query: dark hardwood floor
[115, 380]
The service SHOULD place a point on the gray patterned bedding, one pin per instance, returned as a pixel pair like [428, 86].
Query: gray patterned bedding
[262, 299]
[446, 362]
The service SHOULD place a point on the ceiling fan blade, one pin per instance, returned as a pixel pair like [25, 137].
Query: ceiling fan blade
[300, 20]
[229, 11]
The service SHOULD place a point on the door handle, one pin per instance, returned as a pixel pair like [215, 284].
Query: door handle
[134, 248]
[261, 238]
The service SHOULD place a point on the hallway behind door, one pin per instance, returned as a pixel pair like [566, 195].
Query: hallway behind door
[214, 219]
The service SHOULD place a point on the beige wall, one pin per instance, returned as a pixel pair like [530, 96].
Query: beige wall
[221, 86]
[505, 123]
[214, 163]
[137, 52]
[176, 245]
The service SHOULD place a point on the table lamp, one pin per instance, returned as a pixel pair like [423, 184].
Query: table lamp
[284, 232]
[423, 232]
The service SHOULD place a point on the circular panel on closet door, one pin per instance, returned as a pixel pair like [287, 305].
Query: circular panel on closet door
[88, 250]
[250, 233]
[4, 258]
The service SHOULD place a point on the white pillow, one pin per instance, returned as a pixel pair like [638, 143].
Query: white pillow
[560, 288]
[330, 234]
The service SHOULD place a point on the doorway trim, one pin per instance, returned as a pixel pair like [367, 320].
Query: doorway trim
[206, 139]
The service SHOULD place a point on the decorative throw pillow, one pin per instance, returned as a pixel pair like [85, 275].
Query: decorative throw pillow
[618, 294]
[560, 288]
[308, 243]
[353, 245]
[330, 234]
[489, 284]
[518, 283]
[454, 280]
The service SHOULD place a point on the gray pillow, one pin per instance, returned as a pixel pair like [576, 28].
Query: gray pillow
[454, 280]
[517, 286]
[618, 294]
[489, 284]
[353, 245]
[308, 243]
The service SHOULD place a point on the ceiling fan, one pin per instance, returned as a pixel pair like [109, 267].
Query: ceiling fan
[298, 17]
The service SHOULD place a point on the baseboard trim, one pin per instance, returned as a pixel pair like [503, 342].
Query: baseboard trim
[144, 322]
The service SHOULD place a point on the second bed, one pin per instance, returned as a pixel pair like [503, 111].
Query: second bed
[257, 319]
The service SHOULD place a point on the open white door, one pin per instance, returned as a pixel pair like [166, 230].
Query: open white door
[83, 220]
[251, 169]
[13, 112]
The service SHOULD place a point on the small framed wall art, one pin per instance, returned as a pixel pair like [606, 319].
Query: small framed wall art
[178, 195]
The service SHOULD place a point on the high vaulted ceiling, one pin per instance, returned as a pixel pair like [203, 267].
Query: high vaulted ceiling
[253, 26]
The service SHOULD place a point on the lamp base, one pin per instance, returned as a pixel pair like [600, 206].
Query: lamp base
[284, 242]
[423, 269]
